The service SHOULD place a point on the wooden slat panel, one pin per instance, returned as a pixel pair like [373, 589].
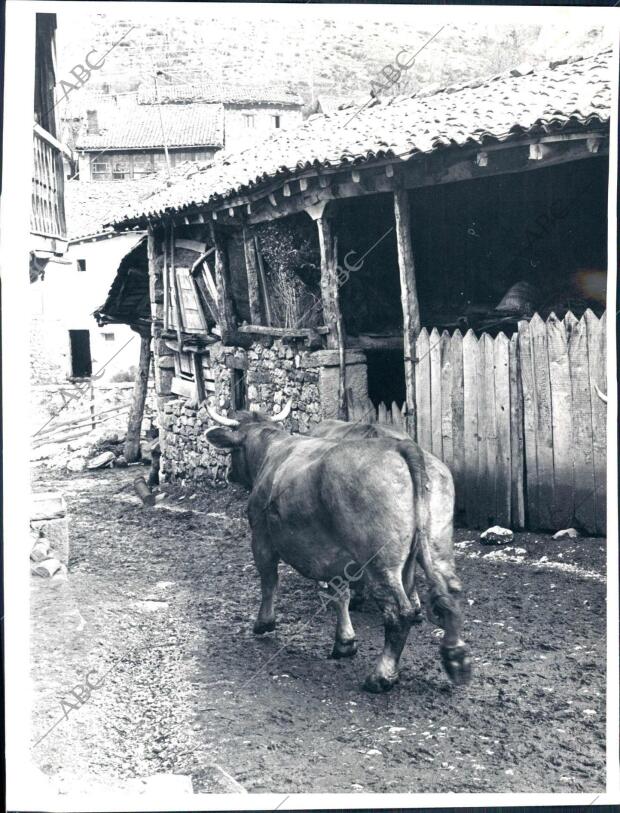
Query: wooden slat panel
[397, 416]
[559, 378]
[487, 429]
[517, 459]
[544, 430]
[530, 437]
[502, 413]
[598, 376]
[193, 318]
[423, 391]
[435, 359]
[470, 426]
[583, 457]
[447, 443]
[458, 397]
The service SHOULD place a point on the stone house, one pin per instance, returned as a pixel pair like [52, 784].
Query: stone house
[313, 265]
[189, 122]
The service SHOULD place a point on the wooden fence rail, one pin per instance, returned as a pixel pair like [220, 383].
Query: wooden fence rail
[516, 419]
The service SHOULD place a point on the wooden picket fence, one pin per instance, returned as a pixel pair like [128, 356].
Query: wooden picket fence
[516, 419]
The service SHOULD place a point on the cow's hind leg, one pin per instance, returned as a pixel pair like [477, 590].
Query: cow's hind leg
[345, 644]
[444, 606]
[267, 565]
[398, 615]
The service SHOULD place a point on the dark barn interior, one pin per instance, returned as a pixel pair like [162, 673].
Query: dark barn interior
[473, 240]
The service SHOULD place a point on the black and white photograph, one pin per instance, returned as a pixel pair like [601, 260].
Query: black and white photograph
[309, 405]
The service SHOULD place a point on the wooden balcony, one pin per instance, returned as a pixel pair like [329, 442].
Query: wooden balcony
[47, 219]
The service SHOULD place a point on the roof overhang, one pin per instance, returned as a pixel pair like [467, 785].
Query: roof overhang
[290, 192]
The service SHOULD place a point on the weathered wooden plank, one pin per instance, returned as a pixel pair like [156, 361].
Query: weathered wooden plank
[517, 459]
[382, 413]
[251, 266]
[408, 291]
[583, 455]
[423, 391]
[559, 378]
[487, 428]
[530, 436]
[447, 443]
[544, 429]
[598, 376]
[501, 348]
[227, 323]
[435, 365]
[458, 398]
[471, 442]
[397, 417]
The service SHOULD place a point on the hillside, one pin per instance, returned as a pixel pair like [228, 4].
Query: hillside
[317, 55]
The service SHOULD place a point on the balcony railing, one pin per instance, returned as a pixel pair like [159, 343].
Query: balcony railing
[48, 200]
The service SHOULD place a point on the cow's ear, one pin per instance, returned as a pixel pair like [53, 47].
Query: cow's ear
[223, 437]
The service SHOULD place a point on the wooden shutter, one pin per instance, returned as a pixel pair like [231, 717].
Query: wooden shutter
[191, 310]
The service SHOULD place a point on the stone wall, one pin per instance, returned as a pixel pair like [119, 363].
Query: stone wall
[273, 373]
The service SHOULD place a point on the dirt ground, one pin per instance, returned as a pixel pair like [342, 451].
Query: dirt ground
[157, 612]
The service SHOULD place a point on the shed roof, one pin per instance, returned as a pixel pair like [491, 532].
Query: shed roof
[515, 103]
[188, 125]
[219, 92]
[90, 204]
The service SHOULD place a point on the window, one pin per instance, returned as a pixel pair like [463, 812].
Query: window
[142, 165]
[276, 122]
[101, 170]
[249, 120]
[81, 362]
[81, 265]
[121, 170]
[108, 337]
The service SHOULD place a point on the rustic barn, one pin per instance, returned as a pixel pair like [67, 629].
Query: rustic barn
[435, 261]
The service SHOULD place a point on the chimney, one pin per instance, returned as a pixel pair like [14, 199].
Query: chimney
[92, 124]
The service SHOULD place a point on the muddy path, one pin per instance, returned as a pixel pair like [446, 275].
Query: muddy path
[158, 610]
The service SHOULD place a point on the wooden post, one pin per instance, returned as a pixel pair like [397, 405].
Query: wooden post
[252, 272]
[332, 316]
[227, 325]
[408, 296]
[134, 425]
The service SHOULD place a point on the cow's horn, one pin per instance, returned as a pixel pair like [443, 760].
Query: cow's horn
[600, 394]
[220, 418]
[284, 412]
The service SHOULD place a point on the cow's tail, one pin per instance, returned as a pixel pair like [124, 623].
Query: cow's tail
[414, 458]
[441, 588]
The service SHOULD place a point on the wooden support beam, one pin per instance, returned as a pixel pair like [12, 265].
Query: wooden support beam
[262, 279]
[284, 332]
[329, 296]
[408, 294]
[225, 306]
[251, 266]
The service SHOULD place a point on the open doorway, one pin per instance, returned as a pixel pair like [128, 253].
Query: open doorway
[81, 361]
[386, 377]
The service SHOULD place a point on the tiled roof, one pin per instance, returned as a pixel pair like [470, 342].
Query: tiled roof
[187, 125]
[575, 93]
[90, 204]
[219, 93]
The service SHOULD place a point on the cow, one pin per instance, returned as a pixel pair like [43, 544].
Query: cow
[440, 498]
[335, 510]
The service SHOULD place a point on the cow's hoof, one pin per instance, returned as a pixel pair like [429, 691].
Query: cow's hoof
[261, 627]
[378, 684]
[344, 649]
[457, 664]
